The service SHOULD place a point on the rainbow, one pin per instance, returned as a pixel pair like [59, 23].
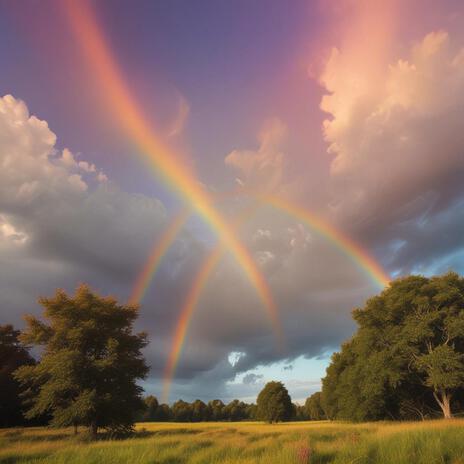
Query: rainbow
[86, 30]
[159, 249]
[342, 242]
[185, 316]
[190, 303]
[177, 176]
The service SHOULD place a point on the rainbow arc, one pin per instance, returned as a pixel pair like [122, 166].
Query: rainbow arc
[163, 160]
[341, 241]
[177, 176]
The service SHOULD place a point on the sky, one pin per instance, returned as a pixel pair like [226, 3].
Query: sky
[319, 143]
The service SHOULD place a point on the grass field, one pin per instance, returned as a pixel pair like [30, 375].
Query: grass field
[238, 442]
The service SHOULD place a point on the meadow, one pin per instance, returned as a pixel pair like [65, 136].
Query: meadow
[245, 442]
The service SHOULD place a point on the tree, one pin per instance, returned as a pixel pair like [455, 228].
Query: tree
[199, 411]
[236, 410]
[436, 333]
[163, 413]
[407, 354]
[274, 403]
[300, 413]
[182, 411]
[216, 408]
[313, 407]
[90, 364]
[13, 354]
[150, 410]
[250, 412]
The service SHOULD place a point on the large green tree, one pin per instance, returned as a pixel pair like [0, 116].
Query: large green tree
[407, 354]
[274, 403]
[13, 354]
[90, 363]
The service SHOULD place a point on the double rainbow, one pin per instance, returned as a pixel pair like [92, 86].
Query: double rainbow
[162, 159]
[323, 228]
[178, 177]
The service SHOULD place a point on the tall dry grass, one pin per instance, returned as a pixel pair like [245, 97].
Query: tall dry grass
[245, 442]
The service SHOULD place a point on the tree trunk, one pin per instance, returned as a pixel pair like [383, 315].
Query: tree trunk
[444, 400]
[446, 406]
[75, 428]
[93, 430]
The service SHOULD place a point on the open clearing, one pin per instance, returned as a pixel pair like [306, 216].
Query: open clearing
[245, 442]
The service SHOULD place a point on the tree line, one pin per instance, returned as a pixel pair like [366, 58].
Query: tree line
[273, 405]
[405, 361]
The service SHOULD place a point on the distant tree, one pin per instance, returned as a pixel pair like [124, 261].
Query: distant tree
[300, 413]
[235, 411]
[152, 405]
[251, 411]
[216, 408]
[163, 413]
[407, 354]
[199, 411]
[274, 403]
[13, 354]
[91, 361]
[313, 407]
[181, 411]
[150, 410]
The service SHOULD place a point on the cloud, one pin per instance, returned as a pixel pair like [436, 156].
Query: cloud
[251, 378]
[399, 141]
[397, 146]
[70, 163]
[67, 224]
[9, 234]
[262, 169]
[315, 310]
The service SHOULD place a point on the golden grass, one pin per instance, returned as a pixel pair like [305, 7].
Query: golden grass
[245, 442]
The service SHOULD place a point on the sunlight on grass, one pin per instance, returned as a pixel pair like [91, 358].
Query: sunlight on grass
[245, 443]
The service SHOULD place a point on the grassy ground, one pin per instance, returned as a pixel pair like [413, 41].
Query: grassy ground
[298, 442]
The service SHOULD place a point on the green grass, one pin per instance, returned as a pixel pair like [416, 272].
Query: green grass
[247, 443]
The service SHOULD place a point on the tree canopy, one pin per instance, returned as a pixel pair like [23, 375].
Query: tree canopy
[274, 403]
[90, 363]
[407, 356]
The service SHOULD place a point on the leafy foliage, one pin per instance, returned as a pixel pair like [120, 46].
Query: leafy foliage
[149, 412]
[407, 355]
[274, 403]
[313, 407]
[198, 411]
[90, 363]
